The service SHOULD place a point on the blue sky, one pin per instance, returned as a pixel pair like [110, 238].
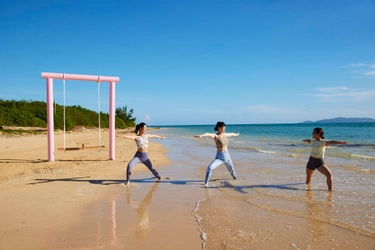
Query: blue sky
[196, 62]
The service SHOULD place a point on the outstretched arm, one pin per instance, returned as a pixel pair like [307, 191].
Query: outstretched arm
[335, 142]
[205, 134]
[155, 136]
[307, 140]
[231, 134]
[131, 137]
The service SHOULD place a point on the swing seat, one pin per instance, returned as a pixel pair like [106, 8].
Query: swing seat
[68, 149]
[83, 147]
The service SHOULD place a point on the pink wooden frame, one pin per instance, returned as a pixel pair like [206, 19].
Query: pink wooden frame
[50, 124]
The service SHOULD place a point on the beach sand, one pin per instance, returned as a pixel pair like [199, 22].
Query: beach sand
[70, 203]
[79, 201]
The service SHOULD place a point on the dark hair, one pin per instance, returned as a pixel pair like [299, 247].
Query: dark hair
[320, 132]
[219, 125]
[140, 125]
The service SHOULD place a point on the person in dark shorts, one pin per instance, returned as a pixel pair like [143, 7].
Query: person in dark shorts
[316, 160]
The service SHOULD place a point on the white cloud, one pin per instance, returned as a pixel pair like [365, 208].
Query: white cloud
[147, 118]
[370, 73]
[333, 89]
[275, 114]
[357, 65]
[361, 69]
[344, 93]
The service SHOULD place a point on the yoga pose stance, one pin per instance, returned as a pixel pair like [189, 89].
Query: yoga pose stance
[222, 155]
[316, 160]
[141, 138]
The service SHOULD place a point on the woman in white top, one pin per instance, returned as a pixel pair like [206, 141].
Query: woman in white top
[316, 160]
[141, 156]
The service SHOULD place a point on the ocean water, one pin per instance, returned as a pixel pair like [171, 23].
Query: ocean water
[286, 139]
[270, 161]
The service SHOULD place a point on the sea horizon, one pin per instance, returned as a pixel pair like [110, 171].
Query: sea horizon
[271, 123]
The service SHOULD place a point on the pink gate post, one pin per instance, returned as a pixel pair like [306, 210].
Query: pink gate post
[50, 122]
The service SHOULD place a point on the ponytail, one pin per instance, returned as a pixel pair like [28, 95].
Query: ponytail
[136, 129]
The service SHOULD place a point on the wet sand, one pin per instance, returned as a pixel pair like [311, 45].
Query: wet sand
[270, 207]
[79, 201]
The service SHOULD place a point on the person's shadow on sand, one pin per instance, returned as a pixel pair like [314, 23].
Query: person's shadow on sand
[113, 182]
[227, 184]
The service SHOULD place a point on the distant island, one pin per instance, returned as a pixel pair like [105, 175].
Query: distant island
[342, 119]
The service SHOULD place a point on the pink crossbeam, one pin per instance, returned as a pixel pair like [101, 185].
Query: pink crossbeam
[92, 78]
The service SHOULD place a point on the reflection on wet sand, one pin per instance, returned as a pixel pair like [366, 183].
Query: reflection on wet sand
[319, 213]
[113, 222]
[142, 223]
[117, 225]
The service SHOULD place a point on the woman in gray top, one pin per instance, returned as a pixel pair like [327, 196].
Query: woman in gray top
[222, 155]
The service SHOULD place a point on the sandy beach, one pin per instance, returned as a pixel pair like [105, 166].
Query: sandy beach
[61, 204]
[79, 201]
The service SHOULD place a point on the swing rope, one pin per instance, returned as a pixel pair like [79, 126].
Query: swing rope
[64, 112]
[99, 138]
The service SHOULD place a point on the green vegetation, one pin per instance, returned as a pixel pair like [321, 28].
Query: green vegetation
[34, 114]
[126, 116]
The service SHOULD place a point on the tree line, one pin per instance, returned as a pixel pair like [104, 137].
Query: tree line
[34, 114]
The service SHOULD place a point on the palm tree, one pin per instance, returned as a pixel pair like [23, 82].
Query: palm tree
[126, 116]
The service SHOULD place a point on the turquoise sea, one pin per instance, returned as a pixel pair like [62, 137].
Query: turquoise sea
[270, 160]
[286, 139]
